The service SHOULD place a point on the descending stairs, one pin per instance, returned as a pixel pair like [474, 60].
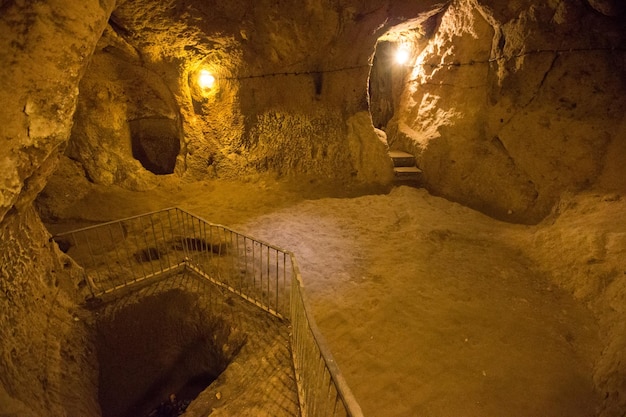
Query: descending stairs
[404, 168]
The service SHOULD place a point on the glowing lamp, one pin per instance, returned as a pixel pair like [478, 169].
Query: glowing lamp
[402, 54]
[205, 80]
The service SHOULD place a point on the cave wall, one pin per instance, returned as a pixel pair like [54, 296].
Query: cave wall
[46, 362]
[118, 95]
[289, 77]
[509, 106]
[290, 96]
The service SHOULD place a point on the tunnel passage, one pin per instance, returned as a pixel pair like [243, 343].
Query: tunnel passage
[156, 344]
[381, 87]
[155, 143]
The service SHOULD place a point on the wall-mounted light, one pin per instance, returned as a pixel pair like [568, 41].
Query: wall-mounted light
[403, 53]
[206, 80]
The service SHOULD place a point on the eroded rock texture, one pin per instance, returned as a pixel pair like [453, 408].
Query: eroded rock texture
[507, 107]
[46, 367]
[118, 94]
[289, 98]
[47, 354]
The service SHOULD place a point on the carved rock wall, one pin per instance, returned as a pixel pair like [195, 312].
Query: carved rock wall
[507, 107]
[117, 93]
[288, 76]
[46, 358]
[48, 365]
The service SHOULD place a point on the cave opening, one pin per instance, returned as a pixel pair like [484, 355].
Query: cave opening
[394, 68]
[385, 82]
[155, 144]
[153, 359]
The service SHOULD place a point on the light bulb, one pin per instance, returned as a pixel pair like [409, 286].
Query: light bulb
[205, 79]
[402, 54]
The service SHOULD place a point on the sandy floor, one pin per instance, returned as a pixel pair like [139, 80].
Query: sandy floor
[430, 308]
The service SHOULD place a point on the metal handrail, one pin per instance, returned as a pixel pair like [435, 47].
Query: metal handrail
[314, 362]
[122, 253]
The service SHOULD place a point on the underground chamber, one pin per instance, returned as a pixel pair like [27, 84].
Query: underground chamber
[161, 346]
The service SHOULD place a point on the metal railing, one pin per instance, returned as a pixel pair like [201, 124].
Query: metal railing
[134, 250]
[322, 388]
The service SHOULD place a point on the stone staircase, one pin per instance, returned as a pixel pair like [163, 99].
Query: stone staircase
[404, 168]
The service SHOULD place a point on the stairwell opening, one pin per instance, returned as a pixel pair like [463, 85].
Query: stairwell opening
[158, 351]
[385, 82]
[392, 68]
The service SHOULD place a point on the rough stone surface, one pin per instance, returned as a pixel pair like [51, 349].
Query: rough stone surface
[279, 103]
[116, 90]
[592, 225]
[508, 107]
[47, 356]
[608, 7]
[46, 359]
[45, 47]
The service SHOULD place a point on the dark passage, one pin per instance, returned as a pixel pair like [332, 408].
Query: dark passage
[155, 143]
[153, 359]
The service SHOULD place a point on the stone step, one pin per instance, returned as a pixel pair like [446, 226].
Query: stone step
[402, 159]
[407, 173]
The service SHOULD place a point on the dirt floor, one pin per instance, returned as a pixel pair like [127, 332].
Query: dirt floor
[430, 308]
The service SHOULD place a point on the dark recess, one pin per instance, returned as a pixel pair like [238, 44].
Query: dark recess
[155, 143]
